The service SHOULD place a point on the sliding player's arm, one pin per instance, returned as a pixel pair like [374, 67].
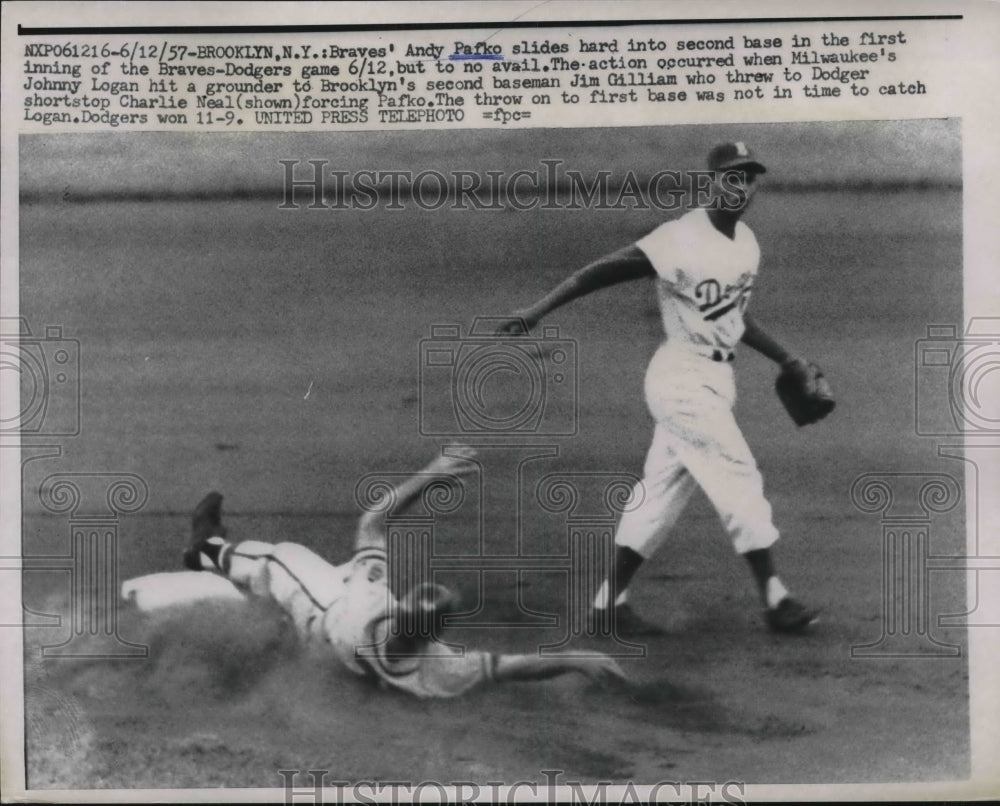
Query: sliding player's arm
[438, 670]
[595, 665]
[457, 460]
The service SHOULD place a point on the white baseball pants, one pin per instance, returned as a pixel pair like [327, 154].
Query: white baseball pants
[696, 441]
[301, 582]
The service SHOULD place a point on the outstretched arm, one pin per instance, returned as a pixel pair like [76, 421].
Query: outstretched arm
[628, 263]
[371, 526]
[595, 665]
[759, 339]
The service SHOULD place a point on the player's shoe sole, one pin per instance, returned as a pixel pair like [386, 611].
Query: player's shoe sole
[206, 522]
[791, 617]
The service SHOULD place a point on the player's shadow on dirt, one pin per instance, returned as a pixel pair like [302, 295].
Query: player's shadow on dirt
[691, 708]
[679, 706]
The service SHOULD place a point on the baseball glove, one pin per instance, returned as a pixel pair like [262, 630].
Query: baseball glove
[804, 392]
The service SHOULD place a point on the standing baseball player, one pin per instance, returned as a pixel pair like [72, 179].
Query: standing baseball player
[704, 265]
[348, 611]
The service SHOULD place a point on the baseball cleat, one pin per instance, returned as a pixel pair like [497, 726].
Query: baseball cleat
[626, 623]
[206, 523]
[790, 616]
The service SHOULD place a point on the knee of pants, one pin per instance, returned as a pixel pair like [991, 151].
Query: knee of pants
[248, 565]
[644, 528]
[296, 556]
[274, 572]
[271, 570]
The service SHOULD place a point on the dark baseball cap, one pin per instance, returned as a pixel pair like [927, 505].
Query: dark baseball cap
[733, 155]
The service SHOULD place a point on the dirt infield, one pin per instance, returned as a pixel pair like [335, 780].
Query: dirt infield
[274, 355]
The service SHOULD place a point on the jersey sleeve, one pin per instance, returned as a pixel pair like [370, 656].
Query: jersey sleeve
[660, 247]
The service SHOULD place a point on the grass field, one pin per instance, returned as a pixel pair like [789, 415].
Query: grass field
[274, 355]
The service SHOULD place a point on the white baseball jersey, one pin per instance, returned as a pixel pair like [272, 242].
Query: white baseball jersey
[704, 279]
[349, 609]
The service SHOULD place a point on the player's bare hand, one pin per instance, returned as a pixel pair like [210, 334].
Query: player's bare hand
[517, 325]
[457, 454]
[600, 668]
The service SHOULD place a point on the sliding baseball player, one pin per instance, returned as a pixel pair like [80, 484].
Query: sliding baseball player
[349, 613]
[704, 265]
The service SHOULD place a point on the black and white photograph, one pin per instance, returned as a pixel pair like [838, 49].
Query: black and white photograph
[443, 461]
